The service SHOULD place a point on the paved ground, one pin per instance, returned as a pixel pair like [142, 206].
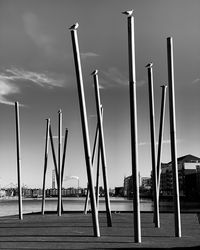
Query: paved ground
[74, 231]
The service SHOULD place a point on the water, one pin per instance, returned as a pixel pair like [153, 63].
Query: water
[10, 206]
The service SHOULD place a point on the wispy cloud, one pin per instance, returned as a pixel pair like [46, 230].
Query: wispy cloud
[40, 79]
[6, 89]
[88, 55]
[197, 80]
[113, 77]
[37, 33]
[10, 79]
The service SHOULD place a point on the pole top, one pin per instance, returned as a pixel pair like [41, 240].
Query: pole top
[163, 86]
[149, 65]
[74, 26]
[47, 119]
[128, 12]
[59, 111]
[95, 72]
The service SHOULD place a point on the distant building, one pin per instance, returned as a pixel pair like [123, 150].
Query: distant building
[53, 179]
[119, 191]
[128, 186]
[146, 182]
[187, 165]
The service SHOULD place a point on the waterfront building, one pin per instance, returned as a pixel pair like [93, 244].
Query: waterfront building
[128, 186]
[187, 165]
[53, 179]
[146, 182]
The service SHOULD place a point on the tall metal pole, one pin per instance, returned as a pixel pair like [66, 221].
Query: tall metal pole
[102, 147]
[86, 141]
[63, 163]
[97, 176]
[160, 139]
[172, 115]
[93, 154]
[64, 154]
[133, 120]
[54, 154]
[59, 162]
[18, 160]
[45, 163]
[153, 143]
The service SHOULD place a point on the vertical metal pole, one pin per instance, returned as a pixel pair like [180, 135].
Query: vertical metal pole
[86, 141]
[133, 120]
[64, 154]
[45, 164]
[97, 177]
[59, 162]
[172, 115]
[18, 160]
[153, 144]
[63, 162]
[102, 147]
[98, 165]
[160, 139]
[93, 154]
[54, 154]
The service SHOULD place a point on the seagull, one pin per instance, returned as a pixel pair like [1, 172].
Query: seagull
[128, 12]
[74, 26]
[95, 72]
[149, 65]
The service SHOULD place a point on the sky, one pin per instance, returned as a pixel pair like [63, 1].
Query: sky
[37, 70]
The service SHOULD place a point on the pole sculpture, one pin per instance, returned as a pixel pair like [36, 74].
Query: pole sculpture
[93, 154]
[45, 163]
[18, 160]
[59, 162]
[133, 119]
[160, 139]
[97, 176]
[173, 136]
[153, 143]
[85, 132]
[102, 147]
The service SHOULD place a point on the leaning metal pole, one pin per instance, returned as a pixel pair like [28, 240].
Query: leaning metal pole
[93, 154]
[153, 143]
[59, 162]
[85, 131]
[45, 164]
[102, 147]
[133, 119]
[18, 160]
[172, 115]
[160, 138]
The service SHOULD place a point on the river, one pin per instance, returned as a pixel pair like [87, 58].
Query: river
[10, 206]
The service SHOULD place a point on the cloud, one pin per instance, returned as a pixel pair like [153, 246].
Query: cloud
[40, 79]
[113, 77]
[6, 89]
[196, 81]
[34, 30]
[9, 82]
[88, 55]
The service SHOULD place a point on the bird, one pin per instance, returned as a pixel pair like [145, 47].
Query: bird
[74, 26]
[149, 65]
[128, 12]
[95, 72]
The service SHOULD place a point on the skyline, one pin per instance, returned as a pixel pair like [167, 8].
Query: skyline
[37, 70]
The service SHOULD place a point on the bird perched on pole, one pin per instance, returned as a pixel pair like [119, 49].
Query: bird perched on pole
[149, 65]
[95, 72]
[74, 26]
[128, 12]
